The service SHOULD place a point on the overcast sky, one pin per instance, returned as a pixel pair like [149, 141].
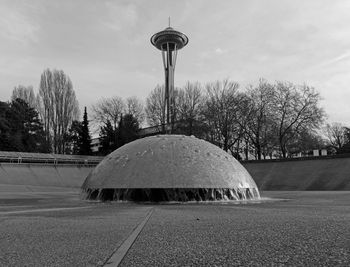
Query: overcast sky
[104, 47]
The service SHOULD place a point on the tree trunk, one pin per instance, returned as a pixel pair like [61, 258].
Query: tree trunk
[284, 152]
[258, 151]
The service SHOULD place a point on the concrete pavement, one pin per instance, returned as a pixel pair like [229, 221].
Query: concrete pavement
[307, 228]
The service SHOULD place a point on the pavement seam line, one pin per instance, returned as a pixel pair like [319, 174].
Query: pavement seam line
[116, 258]
[41, 210]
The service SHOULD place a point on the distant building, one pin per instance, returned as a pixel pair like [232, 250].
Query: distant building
[95, 145]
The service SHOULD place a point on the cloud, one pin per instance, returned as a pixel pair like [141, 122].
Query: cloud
[220, 51]
[120, 16]
[212, 53]
[336, 59]
[16, 26]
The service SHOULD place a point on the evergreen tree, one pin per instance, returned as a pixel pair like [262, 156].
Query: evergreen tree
[21, 128]
[73, 138]
[108, 137]
[4, 127]
[127, 130]
[33, 137]
[85, 139]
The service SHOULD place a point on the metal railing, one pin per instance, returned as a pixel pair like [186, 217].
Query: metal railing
[43, 158]
[320, 157]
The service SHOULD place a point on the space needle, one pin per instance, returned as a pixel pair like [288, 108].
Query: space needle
[169, 41]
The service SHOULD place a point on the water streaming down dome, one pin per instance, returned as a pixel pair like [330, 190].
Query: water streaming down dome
[169, 168]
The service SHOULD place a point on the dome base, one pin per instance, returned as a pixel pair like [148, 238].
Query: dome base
[169, 194]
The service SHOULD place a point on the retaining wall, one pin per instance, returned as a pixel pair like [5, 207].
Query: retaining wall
[71, 176]
[313, 174]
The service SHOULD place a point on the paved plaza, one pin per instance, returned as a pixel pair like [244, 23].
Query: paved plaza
[55, 228]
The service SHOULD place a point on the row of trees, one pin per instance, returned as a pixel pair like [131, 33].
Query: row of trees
[279, 119]
[46, 122]
[268, 119]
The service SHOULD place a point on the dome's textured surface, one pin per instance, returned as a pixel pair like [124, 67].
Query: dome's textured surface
[168, 167]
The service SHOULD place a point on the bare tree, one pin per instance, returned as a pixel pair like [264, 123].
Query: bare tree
[220, 110]
[25, 93]
[336, 135]
[186, 110]
[134, 106]
[58, 107]
[296, 109]
[154, 106]
[189, 101]
[45, 102]
[304, 141]
[259, 120]
[108, 109]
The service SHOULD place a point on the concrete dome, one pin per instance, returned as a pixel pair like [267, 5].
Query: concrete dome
[169, 167]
